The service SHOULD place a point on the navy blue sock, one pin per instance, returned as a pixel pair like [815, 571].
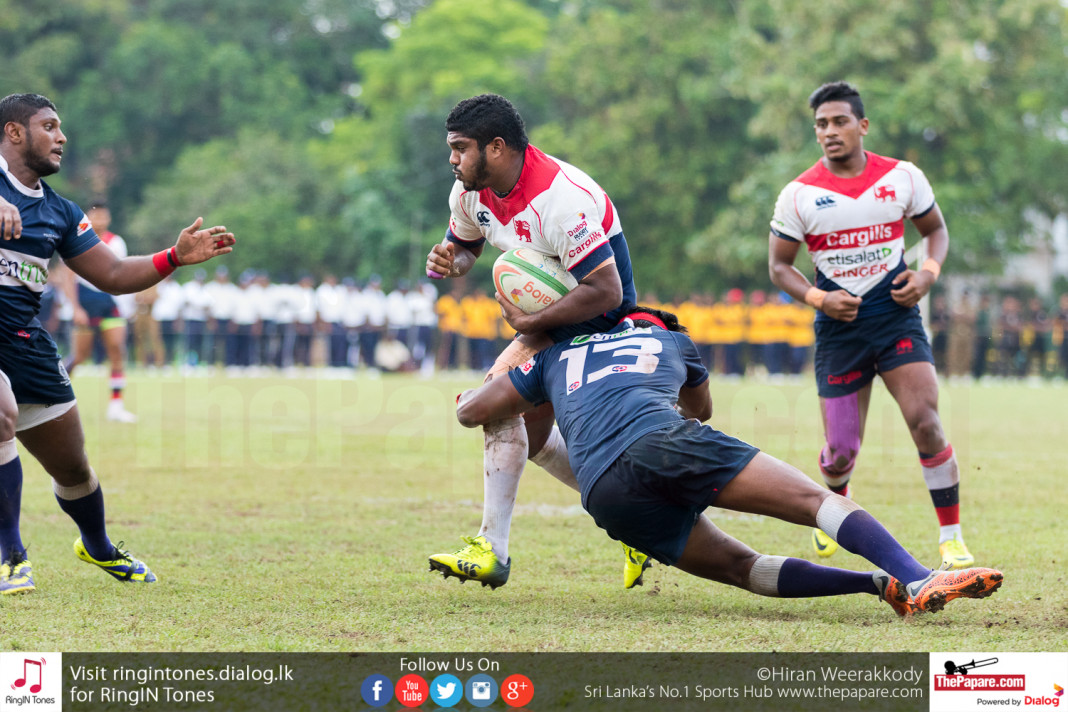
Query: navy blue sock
[803, 579]
[862, 534]
[88, 513]
[10, 508]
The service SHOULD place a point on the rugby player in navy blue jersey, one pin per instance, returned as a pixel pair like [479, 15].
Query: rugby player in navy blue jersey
[849, 210]
[629, 403]
[36, 400]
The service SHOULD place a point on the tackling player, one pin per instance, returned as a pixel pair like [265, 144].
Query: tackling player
[510, 194]
[629, 402]
[849, 210]
[36, 400]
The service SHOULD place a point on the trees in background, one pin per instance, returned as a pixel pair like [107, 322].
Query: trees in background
[314, 128]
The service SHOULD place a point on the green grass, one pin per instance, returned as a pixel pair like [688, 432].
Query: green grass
[297, 514]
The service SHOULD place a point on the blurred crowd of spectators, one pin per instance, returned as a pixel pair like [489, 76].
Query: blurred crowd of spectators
[256, 323]
[1000, 336]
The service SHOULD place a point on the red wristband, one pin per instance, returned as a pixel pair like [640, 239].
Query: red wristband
[166, 261]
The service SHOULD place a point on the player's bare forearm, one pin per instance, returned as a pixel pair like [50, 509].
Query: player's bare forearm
[105, 271]
[451, 259]
[494, 400]
[933, 228]
[598, 293]
[784, 275]
[838, 304]
[695, 402]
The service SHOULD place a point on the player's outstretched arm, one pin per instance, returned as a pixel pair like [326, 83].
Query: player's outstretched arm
[496, 400]
[104, 270]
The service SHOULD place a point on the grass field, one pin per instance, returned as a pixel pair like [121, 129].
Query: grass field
[297, 514]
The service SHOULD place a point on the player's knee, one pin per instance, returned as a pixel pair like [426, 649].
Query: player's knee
[9, 416]
[837, 459]
[71, 474]
[506, 429]
[927, 432]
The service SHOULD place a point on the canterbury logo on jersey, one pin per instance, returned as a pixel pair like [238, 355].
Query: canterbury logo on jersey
[824, 201]
[17, 269]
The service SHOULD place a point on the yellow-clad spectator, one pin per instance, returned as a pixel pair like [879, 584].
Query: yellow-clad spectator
[686, 311]
[703, 329]
[777, 351]
[801, 335]
[505, 332]
[732, 317]
[760, 328]
[481, 313]
[450, 326]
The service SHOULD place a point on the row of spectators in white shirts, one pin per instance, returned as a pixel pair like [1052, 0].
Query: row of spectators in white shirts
[257, 322]
[255, 298]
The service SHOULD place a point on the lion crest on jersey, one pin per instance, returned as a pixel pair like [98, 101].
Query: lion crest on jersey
[522, 230]
[884, 193]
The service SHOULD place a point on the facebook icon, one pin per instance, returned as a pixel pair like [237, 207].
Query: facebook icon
[377, 690]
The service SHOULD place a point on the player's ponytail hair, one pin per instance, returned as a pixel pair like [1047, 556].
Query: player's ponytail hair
[669, 320]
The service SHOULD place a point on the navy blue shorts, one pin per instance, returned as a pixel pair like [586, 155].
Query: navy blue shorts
[98, 305]
[651, 496]
[849, 354]
[30, 359]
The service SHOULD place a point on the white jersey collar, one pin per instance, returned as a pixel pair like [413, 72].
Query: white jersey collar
[30, 192]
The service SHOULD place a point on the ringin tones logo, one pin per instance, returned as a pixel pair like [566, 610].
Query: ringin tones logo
[31, 681]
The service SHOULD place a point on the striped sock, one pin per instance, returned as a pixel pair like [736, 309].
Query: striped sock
[942, 475]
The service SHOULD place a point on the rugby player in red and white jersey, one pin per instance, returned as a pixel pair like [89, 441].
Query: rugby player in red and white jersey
[510, 194]
[849, 210]
[95, 310]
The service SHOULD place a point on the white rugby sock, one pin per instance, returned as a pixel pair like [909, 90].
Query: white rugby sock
[764, 576]
[832, 513]
[553, 459]
[503, 459]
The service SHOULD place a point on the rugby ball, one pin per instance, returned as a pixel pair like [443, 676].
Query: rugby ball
[530, 280]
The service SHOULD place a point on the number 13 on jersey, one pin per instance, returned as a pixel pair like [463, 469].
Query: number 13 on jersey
[630, 355]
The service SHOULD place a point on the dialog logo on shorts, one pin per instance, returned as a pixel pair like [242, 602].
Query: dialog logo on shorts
[904, 346]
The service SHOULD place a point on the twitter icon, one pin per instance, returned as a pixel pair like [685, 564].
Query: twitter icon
[446, 690]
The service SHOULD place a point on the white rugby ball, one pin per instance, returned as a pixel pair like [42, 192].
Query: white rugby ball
[530, 280]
